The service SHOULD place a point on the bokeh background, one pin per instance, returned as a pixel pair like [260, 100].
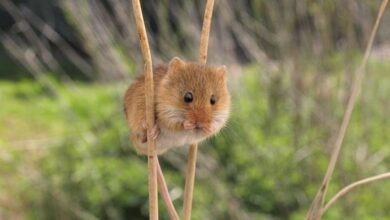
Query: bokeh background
[65, 65]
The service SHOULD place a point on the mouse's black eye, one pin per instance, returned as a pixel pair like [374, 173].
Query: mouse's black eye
[213, 99]
[188, 97]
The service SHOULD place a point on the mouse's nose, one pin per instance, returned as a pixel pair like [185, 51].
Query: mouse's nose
[202, 120]
[201, 116]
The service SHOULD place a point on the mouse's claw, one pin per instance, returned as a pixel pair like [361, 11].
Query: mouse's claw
[144, 125]
[188, 125]
[154, 132]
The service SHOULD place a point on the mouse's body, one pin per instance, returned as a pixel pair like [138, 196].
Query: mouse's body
[192, 103]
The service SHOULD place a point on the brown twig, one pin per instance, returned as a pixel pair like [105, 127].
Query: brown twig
[165, 194]
[204, 38]
[191, 165]
[190, 179]
[149, 100]
[316, 207]
[350, 187]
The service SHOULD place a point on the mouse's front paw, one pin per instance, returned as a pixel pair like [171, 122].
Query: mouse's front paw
[188, 125]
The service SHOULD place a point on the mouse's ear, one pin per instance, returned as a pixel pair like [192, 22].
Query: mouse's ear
[176, 63]
[221, 70]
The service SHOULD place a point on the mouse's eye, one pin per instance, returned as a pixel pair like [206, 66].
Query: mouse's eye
[213, 99]
[188, 97]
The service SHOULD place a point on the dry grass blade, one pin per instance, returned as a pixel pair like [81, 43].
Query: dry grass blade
[165, 194]
[316, 207]
[352, 186]
[204, 38]
[191, 164]
[190, 179]
[149, 99]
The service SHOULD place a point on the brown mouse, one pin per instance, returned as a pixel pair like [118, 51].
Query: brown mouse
[192, 103]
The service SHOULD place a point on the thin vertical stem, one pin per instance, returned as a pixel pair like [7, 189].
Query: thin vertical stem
[191, 164]
[165, 194]
[204, 38]
[149, 100]
[190, 180]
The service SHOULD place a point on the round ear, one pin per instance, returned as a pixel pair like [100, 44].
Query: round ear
[221, 70]
[176, 63]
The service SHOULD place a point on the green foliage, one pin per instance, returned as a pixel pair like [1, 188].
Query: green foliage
[67, 156]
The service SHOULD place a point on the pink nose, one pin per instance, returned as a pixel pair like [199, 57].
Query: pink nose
[201, 117]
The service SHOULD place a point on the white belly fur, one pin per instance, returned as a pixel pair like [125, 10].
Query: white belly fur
[168, 139]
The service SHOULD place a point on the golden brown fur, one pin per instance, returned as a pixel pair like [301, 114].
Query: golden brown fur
[179, 123]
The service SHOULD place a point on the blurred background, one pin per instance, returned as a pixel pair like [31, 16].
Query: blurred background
[65, 65]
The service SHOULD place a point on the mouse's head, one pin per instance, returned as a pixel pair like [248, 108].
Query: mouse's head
[194, 95]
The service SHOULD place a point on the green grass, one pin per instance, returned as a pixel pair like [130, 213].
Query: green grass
[65, 151]
[30, 112]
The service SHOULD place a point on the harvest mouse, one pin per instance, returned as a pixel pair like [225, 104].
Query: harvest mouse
[192, 103]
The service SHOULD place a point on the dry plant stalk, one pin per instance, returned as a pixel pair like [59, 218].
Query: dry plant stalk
[190, 179]
[352, 186]
[204, 38]
[315, 211]
[191, 164]
[149, 99]
[165, 194]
